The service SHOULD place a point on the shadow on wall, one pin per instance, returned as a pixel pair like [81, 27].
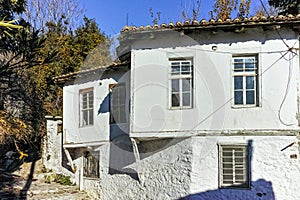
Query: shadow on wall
[104, 105]
[121, 156]
[260, 190]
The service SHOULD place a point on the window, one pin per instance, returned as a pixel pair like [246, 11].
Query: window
[86, 107]
[245, 81]
[234, 169]
[91, 164]
[117, 104]
[181, 83]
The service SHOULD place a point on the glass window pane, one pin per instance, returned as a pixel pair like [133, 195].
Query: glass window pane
[84, 117]
[175, 67]
[227, 171]
[186, 99]
[122, 114]
[249, 66]
[186, 84]
[175, 85]
[238, 97]
[186, 68]
[227, 177]
[238, 82]
[250, 97]
[238, 64]
[91, 117]
[175, 100]
[250, 82]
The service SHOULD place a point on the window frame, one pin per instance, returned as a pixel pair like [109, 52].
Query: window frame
[89, 109]
[187, 75]
[119, 106]
[91, 164]
[246, 168]
[244, 74]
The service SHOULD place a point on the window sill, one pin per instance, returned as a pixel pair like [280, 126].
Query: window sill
[87, 126]
[180, 108]
[91, 178]
[244, 106]
[234, 188]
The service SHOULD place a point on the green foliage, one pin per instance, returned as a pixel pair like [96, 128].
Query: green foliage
[63, 180]
[20, 51]
[91, 44]
[286, 6]
[30, 59]
[70, 51]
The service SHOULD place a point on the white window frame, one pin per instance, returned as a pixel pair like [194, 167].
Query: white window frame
[180, 76]
[118, 110]
[244, 73]
[238, 168]
[86, 107]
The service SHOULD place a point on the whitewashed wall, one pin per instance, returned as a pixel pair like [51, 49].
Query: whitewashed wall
[151, 114]
[274, 174]
[183, 168]
[101, 129]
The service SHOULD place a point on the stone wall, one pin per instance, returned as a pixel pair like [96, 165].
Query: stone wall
[52, 144]
[163, 172]
[181, 168]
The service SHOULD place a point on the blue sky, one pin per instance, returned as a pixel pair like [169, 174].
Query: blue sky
[111, 15]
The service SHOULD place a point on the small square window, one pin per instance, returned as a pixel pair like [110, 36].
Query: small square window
[91, 164]
[234, 169]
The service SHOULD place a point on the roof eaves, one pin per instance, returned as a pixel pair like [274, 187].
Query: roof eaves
[71, 76]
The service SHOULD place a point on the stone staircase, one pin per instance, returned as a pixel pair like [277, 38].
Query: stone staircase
[20, 186]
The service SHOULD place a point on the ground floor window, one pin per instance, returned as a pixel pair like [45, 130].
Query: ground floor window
[91, 164]
[234, 169]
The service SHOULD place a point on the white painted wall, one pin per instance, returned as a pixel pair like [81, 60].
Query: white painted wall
[272, 171]
[151, 114]
[101, 129]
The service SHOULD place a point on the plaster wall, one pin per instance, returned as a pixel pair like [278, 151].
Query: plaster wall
[213, 109]
[182, 168]
[101, 130]
[274, 175]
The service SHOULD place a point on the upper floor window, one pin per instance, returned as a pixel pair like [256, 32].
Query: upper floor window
[181, 83]
[245, 81]
[117, 104]
[234, 170]
[86, 107]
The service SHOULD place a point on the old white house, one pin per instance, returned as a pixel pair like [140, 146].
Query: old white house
[199, 110]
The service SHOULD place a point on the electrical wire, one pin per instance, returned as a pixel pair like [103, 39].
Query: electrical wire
[229, 100]
[275, 29]
[291, 56]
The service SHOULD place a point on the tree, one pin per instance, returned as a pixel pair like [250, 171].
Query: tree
[224, 9]
[41, 12]
[19, 44]
[286, 6]
[262, 8]
[83, 48]
[193, 13]
[92, 45]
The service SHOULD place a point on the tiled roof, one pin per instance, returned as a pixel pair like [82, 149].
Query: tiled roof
[212, 23]
[87, 72]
